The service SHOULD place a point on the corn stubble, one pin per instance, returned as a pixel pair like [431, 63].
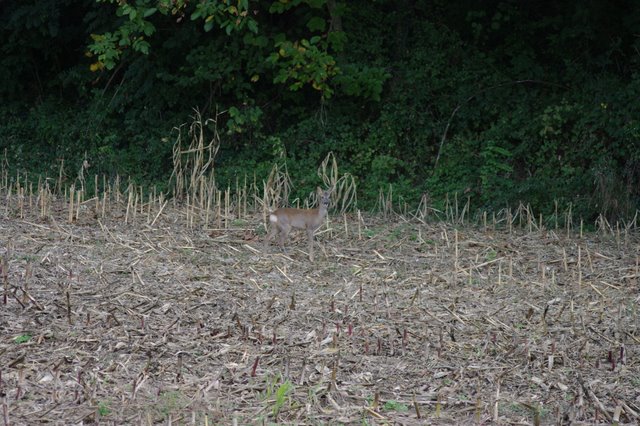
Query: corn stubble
[159, 306]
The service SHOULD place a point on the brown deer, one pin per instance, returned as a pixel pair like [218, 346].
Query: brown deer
[284, 219]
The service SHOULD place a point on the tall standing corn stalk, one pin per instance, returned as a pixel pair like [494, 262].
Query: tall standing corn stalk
[193, 175]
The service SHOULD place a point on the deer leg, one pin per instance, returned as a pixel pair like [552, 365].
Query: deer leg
[270, 235]
[310, 238]
[284, 233]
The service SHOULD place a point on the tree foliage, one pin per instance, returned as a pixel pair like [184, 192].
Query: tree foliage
[505, 101]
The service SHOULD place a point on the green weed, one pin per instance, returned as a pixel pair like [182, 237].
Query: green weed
[23, 338]
[103, 409]
[278, 394]
[392, 405]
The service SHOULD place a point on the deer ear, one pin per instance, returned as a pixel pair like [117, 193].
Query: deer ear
[318, 189]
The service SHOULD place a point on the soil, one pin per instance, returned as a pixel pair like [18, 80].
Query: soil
[397, 321]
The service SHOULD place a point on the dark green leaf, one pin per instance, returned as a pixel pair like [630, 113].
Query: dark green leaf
[316, 24]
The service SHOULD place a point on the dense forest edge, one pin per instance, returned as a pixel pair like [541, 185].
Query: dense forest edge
[499, 103]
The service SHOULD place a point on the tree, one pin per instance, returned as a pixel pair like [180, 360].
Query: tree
[289, 41]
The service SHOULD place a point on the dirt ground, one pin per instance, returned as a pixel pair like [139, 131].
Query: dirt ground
[396, 321]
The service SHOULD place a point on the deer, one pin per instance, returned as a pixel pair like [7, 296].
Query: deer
[284, 219]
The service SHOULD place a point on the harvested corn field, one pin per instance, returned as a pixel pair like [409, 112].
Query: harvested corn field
[151, 320]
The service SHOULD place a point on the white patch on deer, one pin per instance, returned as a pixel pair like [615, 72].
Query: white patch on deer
[273, 218]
